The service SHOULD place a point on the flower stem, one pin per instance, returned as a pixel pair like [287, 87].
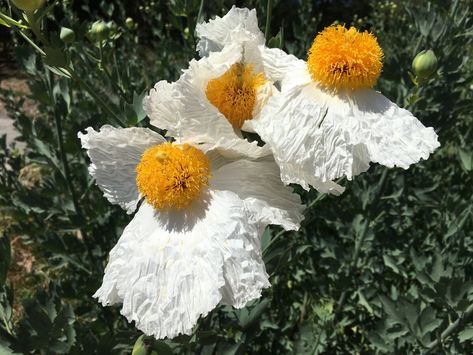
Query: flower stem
[269, 13]
[453, 328]
[34, 26]
[96, 97]
[68, 181]
[67, 71]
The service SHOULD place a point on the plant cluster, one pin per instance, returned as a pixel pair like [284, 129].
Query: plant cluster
[385, 268]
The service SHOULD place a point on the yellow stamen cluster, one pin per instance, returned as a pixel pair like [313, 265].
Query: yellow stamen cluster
[344, 58]
[171, 175]
[234, 93]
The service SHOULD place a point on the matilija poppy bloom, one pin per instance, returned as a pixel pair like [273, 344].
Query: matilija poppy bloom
[195, 240]
[217, 98]
[327, 122]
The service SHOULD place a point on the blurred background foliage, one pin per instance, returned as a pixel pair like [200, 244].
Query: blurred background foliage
[386, 268]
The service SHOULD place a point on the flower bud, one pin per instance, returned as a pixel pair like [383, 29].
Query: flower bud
[142, 347]
[129, 23]
[424, 64]
[99, 31]
[67, 35]
[28, 5]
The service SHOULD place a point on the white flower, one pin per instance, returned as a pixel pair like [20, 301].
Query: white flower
[327, 122]
[217, 98]
[237, 26]
[195, 240]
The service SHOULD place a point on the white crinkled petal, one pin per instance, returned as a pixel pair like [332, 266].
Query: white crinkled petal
[315, 135]
[279, 66]
[168, 269]
[114, 155]
[392, 135]
[290, 125]
[258, 184]
[182, 108]
[162, 107]
[237, 26]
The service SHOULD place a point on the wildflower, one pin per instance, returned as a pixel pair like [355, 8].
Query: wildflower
[219, 96]
[327, 122]
[194, 241]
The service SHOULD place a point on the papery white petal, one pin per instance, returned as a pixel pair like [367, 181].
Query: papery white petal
[258, 184]
[316, 135]
[170, 268]
[237, 26]
[162, 107]
[237, 148]
[114, 155]
[182, 108]
[279, 66]
[393, 136]
[390, 135]
[290, 125]
[263, 94]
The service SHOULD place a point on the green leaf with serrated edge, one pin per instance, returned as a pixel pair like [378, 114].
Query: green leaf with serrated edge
[428, 321]
[389, 262]
[390, 309]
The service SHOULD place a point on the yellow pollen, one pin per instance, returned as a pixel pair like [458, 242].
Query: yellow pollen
[234, 93]
[172, 175]
[344, 58]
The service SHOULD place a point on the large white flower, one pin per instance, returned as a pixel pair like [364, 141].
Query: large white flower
[327, 122]
[195, 240]
[217, 98]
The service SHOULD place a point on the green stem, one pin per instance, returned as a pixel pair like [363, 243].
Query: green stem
[18, 31]
[68, 181]
[68, 71]
[453, 328]
[269, 13]
[34, 26]
[199, 15]
[96, 97]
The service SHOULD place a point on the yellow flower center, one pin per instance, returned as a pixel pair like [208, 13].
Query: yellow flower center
[344, 58]
[171, 175]
[234, 93]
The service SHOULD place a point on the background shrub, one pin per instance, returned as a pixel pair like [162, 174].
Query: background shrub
[386, 268]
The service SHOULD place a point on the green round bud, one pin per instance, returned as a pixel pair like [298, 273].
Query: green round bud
[67, 35]
[28, 5]
[99, 31]
[424, 64]
[129, 23]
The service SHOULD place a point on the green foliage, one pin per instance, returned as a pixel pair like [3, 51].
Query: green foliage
[385, 268]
